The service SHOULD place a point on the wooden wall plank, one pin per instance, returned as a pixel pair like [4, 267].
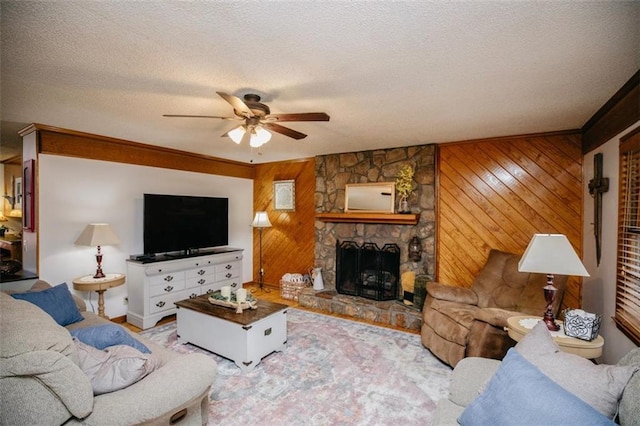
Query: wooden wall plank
[498, 192]
[288, 246]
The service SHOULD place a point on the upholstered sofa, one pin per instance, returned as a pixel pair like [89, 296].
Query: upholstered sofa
[42, 380]
[538, 384]
[459, 322]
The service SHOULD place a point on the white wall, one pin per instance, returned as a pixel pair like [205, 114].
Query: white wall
[599, 290]
[75, 192]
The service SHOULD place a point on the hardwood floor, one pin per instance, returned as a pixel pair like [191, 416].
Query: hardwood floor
[273, 295]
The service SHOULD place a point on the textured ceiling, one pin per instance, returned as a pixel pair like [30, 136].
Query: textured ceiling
[388, 73]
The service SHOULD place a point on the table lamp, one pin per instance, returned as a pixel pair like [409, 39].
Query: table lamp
[261, 221]
[98, 234]
[551, 254]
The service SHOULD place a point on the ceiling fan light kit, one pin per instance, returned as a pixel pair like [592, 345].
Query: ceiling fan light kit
[257, 119]
[237, 134]
[259, 137]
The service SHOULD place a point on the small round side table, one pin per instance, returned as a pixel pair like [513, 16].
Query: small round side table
[583, 348]
[99, 285]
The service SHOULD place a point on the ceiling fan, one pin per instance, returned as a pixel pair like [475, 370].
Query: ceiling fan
[258, 120]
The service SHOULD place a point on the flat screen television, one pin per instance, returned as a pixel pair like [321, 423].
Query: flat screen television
[181, 223]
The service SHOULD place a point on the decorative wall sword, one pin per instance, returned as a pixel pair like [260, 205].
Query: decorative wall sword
[598, 186]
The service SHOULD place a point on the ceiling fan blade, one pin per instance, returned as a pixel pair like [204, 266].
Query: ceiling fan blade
[304, 116]
[238, 105]
[199, 116]
[284, 130]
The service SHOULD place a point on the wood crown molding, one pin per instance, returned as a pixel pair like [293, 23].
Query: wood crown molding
[569, 132]
[620, 112]
[72, 143]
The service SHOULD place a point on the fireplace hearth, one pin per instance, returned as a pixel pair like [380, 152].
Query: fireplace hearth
[367, 270]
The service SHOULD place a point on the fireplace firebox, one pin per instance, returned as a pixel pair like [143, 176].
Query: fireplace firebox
[368, 271]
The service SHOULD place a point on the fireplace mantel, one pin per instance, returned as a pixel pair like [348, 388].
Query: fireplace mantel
[384, 218]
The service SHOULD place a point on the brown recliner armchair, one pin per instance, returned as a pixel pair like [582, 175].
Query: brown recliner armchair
[459, 322]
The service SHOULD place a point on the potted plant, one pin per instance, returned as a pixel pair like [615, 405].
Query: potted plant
[404, 187]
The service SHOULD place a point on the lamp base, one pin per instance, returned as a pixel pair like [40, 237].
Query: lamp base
[99, 273]
[550, 322]
[549, 297]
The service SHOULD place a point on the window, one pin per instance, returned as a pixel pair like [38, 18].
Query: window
[627, 314]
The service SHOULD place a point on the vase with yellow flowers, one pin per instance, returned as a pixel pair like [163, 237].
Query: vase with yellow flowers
[404, 187]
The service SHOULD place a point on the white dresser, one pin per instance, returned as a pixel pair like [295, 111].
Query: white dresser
[155, 286]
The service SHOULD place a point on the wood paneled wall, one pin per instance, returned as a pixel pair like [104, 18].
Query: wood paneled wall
[497, 193]
[288, 246]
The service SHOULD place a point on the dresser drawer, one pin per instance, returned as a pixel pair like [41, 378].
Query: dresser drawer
[200, 272]
[166, 288]
[200, 281]
[227, 271]
[167, 278]
[165, 302]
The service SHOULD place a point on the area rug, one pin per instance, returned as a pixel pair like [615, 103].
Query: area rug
[332, 372]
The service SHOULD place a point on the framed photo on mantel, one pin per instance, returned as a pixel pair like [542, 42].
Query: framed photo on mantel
[284, 195]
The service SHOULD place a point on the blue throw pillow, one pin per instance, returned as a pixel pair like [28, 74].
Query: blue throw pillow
[56, 301]
[521, 394]
[103, 336]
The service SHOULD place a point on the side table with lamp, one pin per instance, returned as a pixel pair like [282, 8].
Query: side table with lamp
[551, 254]
[97, 235]
[99, 285]
[520, 325]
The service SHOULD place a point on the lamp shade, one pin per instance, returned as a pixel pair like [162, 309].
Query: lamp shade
[261, 220]
[237, 134]
[551, 254]
[259, 137]
[97, 234]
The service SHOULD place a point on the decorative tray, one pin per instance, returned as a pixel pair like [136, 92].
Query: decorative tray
[216, 298]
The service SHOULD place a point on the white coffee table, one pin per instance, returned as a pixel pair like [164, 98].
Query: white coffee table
[244, 338]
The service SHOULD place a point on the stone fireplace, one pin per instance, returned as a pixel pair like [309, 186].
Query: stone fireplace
[368, 271]
[333, 172]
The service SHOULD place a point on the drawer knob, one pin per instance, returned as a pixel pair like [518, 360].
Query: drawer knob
[168, 288]
[193, 296]
[210, 291]
[160, 304]
[168, 278]
[202, 281]
[229, 275]
[228, 267]
[201, 272]
[234, 285]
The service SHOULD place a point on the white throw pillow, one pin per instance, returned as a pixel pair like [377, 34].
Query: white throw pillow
[115, 367]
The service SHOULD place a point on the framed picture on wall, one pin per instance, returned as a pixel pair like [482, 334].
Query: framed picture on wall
[284, 195]
[17, 191]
